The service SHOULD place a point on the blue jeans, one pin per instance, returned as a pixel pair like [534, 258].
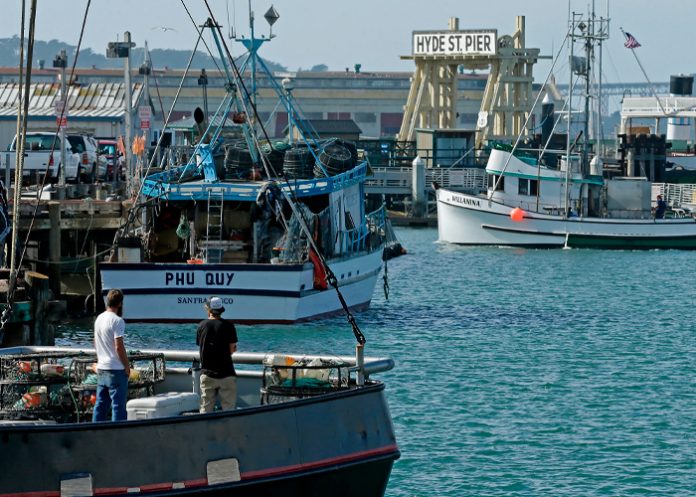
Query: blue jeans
[112, 393]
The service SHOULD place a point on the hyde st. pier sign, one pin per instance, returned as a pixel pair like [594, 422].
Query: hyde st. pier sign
[476, 42]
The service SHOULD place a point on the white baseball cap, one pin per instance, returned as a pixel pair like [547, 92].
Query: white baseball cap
[215, 304]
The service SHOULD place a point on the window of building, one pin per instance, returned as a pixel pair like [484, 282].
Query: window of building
[365, 117]
[390, 123]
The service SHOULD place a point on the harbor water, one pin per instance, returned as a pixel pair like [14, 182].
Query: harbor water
[518, 372]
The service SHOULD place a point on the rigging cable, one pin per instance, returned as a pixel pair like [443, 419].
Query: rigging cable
[131, 212]
[39, 189]
[330, 276]
[19, 150]
[18, 168]
[529, 115]
[652, 87]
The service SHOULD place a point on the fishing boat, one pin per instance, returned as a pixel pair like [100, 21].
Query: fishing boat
[303, 426]
[248, 218]
[541, 197]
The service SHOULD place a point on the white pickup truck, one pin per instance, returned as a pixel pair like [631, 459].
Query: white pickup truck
[42, 150]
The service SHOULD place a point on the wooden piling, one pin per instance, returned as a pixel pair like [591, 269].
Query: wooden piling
[42, 333]
[54, 247]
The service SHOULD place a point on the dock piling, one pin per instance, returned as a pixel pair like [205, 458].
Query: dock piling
[54, 247]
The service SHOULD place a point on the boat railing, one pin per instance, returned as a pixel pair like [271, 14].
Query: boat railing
[166, 185]
[367, 235]
[372, 365]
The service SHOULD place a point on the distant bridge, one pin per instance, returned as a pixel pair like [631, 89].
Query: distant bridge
[619, 90]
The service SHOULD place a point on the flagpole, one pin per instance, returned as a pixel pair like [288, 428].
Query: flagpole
[652, 88]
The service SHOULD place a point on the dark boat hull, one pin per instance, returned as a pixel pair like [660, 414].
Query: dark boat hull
[339, 444]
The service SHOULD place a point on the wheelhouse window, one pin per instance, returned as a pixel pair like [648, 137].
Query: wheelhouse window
[527, 187]
[495, 179]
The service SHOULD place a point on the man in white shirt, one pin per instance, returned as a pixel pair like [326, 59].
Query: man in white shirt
[113, 367]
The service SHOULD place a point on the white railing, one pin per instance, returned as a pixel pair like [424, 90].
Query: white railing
[676, 195]
[399, 180]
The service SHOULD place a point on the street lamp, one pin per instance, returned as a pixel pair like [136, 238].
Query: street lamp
[203, 81]
[61, 62]
[121, 50]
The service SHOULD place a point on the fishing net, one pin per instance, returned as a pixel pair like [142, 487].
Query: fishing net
[288, 378]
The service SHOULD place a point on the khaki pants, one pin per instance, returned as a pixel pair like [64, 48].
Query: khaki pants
[212, 388]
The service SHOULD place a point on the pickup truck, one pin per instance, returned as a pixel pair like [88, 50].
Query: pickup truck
[42, 150]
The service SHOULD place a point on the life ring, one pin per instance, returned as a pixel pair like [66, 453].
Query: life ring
[319, 277]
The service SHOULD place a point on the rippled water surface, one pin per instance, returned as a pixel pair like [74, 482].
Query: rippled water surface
[520, 372]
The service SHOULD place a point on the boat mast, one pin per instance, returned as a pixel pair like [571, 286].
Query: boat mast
[19, 149]
[570, 115]
[589, 53]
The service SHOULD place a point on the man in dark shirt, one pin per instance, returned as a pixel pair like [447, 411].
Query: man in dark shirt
[660, 208]
[217, 339]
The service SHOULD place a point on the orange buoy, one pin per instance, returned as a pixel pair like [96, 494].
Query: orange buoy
[517, 214]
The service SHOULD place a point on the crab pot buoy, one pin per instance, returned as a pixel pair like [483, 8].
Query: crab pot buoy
[517, 214]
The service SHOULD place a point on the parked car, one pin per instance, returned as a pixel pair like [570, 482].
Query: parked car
[41, 153]
[90, 161]
[114, 160]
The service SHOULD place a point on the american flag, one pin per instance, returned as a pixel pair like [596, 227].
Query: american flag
[631, 42]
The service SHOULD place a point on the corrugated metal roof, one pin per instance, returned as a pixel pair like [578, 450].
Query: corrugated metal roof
[96, 100]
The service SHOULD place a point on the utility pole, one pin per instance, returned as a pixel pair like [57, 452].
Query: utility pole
[129, 114]
[61, 62]
[121, 50]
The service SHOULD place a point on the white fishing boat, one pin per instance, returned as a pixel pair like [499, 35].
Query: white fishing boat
[548, 198]
[213, 226]
[527, 210]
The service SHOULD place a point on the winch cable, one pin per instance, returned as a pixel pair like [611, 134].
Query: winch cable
[330, 276]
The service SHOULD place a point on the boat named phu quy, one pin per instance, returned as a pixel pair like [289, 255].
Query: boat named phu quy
[541, 192]
[251, 220]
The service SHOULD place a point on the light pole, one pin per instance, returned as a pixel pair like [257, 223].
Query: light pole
[121, 50]
[61, 62]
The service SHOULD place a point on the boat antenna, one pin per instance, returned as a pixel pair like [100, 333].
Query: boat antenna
[231, 24]
[330, 276]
